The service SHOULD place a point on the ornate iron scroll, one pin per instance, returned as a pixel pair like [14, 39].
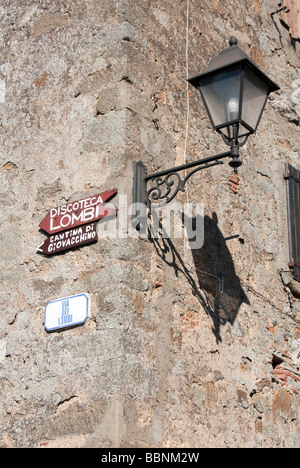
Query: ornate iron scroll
[162, 187]
[167, 186]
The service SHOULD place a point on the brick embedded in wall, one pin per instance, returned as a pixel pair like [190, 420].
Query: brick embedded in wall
[283, 374]
[234, 183]
[283, 370]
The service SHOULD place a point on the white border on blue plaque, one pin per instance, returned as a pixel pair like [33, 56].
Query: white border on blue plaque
[67, 312]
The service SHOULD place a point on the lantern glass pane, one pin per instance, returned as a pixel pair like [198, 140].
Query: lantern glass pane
[254, 98]
[221, 93]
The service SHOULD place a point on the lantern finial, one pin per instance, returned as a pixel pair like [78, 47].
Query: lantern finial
[233, 41]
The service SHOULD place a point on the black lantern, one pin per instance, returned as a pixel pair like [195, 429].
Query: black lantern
[235, 92]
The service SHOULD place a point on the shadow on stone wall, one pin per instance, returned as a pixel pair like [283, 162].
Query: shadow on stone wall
[217, 288]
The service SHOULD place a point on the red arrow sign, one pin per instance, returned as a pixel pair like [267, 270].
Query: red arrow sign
[78, 213]
[70, 239]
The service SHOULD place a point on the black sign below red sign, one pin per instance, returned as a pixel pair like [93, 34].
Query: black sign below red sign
[70, 239]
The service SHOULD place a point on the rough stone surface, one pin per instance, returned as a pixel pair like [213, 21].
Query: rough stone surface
[167, 357]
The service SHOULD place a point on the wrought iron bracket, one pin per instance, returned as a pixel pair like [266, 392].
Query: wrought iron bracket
[162, 187]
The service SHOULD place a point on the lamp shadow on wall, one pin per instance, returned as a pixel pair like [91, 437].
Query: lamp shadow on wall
[217, 287]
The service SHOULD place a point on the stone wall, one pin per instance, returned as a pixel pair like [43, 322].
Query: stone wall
[171, 356]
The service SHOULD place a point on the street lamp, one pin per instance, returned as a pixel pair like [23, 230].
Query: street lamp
[235, 92]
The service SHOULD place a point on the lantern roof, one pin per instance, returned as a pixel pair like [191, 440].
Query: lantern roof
[228, 58]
